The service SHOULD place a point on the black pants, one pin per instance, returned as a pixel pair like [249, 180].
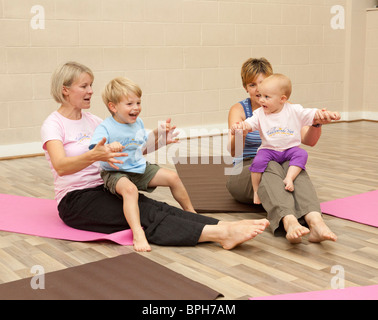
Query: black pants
[98, 210]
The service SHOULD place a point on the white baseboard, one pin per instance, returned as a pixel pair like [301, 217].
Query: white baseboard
[19, 150]
[352, 116]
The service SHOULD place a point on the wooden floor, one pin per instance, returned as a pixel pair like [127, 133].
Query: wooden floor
[344, 163]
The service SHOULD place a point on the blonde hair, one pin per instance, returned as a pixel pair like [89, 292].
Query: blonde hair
[64, 76]
[119, 88]
[253, 67]
[283, 82]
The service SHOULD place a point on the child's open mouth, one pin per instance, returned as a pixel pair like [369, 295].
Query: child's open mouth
[134, 115]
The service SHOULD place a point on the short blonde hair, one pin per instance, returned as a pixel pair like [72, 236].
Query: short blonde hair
[253, 67]
[283, 82]
[119, 88]
[64, 76]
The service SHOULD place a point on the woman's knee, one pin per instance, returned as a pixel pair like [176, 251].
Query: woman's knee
[277, 169]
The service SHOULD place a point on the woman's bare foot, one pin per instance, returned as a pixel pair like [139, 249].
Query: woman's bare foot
[319, 231]
[256, 199]
[140, 242]
[231, 234]
[294, 230]
[289, 184]
[235, 234]
[256, 222]
[261, 222]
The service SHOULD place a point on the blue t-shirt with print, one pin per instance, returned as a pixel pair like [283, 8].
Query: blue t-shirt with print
[132, 136]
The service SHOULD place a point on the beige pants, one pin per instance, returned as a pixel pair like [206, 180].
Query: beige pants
[277, 202]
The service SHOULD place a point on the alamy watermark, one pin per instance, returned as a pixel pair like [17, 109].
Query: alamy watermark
[38, 280]
[338, 20]
[338, 281]
[198, 142]
[38, 20]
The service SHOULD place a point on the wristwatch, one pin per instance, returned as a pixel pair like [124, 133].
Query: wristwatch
[317, 125]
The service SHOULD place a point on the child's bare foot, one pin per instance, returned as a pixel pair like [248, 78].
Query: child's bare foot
[294, 230]
[319, 231]
[256, 199]
[289, 184]
[140, 242]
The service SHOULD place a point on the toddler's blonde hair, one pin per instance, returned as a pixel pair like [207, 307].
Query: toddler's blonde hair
[119, 88]
[283, 82]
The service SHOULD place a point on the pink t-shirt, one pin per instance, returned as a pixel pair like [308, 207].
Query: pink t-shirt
[75, 136]
[281, 131]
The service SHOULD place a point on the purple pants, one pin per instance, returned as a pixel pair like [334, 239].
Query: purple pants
[297, 157]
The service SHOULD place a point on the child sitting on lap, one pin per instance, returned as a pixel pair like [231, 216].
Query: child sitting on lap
[279, 124]
[124, 132]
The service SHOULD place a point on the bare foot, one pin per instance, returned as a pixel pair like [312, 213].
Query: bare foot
[140, 242]
[237, 233]
[294, 230]
[319, 231]
[289, 184]
[295, 233]
[261, 222]
[256, 222]
[256, 199]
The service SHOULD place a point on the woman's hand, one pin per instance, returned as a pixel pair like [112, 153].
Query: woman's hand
[240, 128]
[324, 116]
[103, 152]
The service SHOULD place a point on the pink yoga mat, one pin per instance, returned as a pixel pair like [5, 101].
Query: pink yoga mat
[362, 208]
[39, 217]
[353, 293]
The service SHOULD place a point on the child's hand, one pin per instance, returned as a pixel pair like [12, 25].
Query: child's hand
[243, 126]
[234, 128]
[115, 146]
[166, 132]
